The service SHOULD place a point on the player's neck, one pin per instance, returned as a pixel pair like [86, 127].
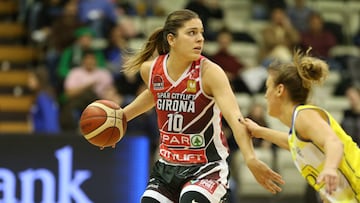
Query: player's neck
[176, 66]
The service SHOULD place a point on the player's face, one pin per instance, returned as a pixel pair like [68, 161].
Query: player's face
[272, 98]
[189, 40]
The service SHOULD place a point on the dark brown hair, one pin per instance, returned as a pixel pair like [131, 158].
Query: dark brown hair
[157, 40]
[42, 76]
[299, 76]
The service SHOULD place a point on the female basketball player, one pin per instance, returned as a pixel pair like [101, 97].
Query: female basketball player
[324, 154]
[190, 93]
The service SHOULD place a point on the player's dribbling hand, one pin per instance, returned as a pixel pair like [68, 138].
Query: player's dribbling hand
[266, 177]
[330, 177]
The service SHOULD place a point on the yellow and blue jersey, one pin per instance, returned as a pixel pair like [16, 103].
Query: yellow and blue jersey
[309, 159]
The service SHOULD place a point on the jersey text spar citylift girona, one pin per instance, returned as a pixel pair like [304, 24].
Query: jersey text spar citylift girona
[188, 119]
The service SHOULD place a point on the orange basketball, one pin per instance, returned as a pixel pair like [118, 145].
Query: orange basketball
[103, 123]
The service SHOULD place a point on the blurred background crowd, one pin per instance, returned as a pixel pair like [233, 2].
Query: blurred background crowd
[57, 56]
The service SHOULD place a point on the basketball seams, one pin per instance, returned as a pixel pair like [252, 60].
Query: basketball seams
[107, 109]
[110, 138]
[110, 120]
[105, 123]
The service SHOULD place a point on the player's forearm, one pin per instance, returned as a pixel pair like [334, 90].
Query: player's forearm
[141, 104]
[245, 143]
[334, 152]
[277, 137]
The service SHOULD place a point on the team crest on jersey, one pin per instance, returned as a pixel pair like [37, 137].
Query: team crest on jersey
[191, 86]
[158, 82]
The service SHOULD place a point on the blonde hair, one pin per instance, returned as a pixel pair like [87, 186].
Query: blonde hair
[301, 75]
[157, 40]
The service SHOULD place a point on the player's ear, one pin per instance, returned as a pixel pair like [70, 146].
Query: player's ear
[280, 89]
[170, 38]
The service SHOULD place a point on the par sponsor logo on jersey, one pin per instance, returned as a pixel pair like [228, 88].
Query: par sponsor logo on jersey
[158, 82]
[175, 140]
[182, 140]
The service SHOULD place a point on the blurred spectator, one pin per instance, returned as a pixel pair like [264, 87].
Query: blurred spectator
[255, 78]
[317, 37]
[336, 29]
[45, 110]
[278, 38]
[127, 85]
[261, 9]
[275, 4]
[69, 21]
[149, 8]
[350, 74]
[99, 15]
[207, 9]
[58, 40]
[228, 62]
[40, 16]
[72, 55]
[321, 41]
[351, 116]
[129, 29]
[83, 85]
[299, 14]
[117, 50]
[87, 76]
[125, 8]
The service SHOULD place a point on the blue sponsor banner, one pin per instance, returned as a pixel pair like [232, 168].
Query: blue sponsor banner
[66, 169]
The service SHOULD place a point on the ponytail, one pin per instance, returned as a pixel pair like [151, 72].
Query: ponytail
[311, 70]
[156, 42]
[300, 75]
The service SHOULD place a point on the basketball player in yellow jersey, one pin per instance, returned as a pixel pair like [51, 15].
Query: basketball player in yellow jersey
[323, 153]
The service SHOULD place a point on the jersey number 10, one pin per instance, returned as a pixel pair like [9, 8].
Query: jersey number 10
[175, 122]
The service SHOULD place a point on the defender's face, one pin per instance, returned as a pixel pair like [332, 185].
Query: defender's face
[271, 97]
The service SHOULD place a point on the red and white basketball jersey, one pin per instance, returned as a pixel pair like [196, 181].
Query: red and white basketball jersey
[189, 120]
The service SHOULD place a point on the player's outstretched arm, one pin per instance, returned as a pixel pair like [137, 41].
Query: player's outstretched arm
[274, 136]
[216, 84]
[311, 125]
